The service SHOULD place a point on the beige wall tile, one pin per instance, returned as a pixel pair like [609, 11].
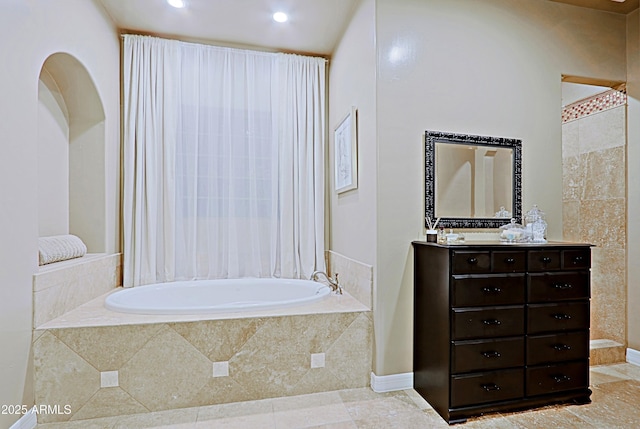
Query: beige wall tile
[573, 171]
[603, 130]
[603, 222]
[605, 174]
[108, 402]
[107, 348]
[571, 223]
[608, 291]
[352, 365]
[61, 377]
[223, 390]
[166, 373]
[607, 355]
[218, 340]
[570, 139]
[57, 291]
[354, 276]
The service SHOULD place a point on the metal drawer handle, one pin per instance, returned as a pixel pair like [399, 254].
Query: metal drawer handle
[491, 354]
[490, 387]
[492, 322]
[472, 261]
[509, 260]
[563, 286]
[561, 316]
[546, 259]
[577, 260]
[561, 347]
[561, 378]
[491, 289]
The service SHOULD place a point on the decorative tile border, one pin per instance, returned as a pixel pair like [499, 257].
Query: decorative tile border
[597, 103]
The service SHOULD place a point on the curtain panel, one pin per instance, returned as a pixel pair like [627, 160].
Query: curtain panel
[223, 162]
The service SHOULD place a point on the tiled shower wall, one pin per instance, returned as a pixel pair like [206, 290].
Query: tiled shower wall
[594, 209]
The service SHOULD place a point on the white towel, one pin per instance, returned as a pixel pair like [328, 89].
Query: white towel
[60, 248]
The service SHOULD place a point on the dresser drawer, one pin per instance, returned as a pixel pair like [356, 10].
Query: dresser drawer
[557, 347]
[467, 291]
[508, 261]
[486, 387]
[470, 262]
[557, 317]
[469, 323]
[557, 378]
[544, 260]
[482, 355]
[545, 287]
[576, 259]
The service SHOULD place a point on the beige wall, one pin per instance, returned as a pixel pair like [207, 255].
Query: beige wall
[490, 67]
[352, 74]
[633, 180]
[32, 30]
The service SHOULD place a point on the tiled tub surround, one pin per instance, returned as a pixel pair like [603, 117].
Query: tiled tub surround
[103, 363]
[355, 277]
[594, 211]
[62, 286]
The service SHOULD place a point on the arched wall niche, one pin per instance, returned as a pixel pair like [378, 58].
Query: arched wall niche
[71, 153]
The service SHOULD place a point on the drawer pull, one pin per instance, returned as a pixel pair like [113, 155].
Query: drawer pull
[491, 289]
[490, 322]
[491, 354]
[563, 286]
[545, 260]
[560, 316]
[561, 378]
[472, 261]
[578, 260]
[509, 260]
[561, 347]
[490, 387]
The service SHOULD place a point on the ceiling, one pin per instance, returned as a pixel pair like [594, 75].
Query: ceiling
[314, 26]
[623, 7]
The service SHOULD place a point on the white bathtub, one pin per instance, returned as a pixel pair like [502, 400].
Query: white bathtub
[215, 296]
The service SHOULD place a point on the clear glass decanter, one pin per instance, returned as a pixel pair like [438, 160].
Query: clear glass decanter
[535, 225]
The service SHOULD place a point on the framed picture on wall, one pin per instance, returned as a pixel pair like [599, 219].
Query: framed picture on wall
[345, 139]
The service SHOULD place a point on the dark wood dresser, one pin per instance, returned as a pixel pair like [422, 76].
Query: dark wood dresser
[500, 326]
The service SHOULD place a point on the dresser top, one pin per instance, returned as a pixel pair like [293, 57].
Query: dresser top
[500, 244]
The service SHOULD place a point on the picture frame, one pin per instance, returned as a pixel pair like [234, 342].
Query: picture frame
[345, 140]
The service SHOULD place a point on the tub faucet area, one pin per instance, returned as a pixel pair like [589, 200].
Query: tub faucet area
[334, 284]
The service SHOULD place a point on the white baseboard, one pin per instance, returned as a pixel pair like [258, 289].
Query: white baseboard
[633, 356]
[28, 421]
[390, 383]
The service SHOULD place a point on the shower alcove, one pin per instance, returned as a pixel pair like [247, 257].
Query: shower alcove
[594, 202]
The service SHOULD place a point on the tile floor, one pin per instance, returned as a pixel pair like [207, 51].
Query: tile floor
[616, 404]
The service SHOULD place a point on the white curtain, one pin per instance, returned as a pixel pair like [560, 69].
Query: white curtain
[223, 162]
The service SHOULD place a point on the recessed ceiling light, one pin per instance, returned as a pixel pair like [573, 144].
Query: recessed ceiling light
[176, 3]
[280, 17]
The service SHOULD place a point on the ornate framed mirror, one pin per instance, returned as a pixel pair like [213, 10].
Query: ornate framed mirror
[472, 181]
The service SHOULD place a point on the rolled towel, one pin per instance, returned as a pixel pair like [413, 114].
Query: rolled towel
[60, 248]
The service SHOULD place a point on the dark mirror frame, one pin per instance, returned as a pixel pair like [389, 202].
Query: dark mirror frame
[430, 139]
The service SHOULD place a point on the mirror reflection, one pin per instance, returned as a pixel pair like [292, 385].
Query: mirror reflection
[473, 181]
